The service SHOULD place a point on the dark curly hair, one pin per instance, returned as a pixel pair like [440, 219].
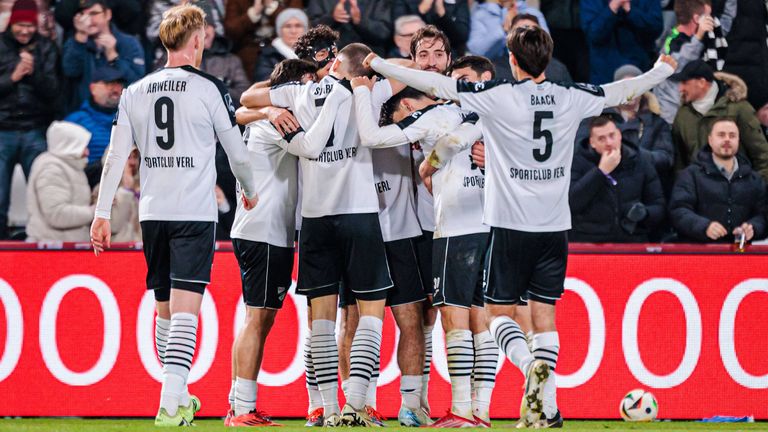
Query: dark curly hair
[318, 36]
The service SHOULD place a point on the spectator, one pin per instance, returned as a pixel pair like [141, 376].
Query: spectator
[555, 71]
[250, 25]
[620, 32]
[125, 208]
[219, 61]
[748, 46]
[365, 21]
[29, 85]
[158, 7]
[291, 24]
[491, 20]
[58, 195]
[97, 42]
[695, 30]
[762, 114]
[405, 27]
[564, 21]
[704, 98]
[129, 15]
[96, 115]
[615, 193]
[450, 16]
[719, 196]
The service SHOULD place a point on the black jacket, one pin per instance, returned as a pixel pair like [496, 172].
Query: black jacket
[374, 30]
[33, 101]
[599, 210]
[268, 59]
[702, 195]
[455, 22]
[747, 50]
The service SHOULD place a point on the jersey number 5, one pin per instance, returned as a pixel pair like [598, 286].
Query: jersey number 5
[538, 132]
[164, 122]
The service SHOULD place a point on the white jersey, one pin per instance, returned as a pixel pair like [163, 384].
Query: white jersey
[394, 186]
[340, 180]
[529, 131]
[425, 206]
[175, 116]
[275, 172]
[457, 188]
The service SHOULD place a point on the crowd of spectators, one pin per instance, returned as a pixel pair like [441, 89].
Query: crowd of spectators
[685, 162]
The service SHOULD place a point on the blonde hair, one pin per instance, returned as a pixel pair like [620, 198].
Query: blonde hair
[178, 25]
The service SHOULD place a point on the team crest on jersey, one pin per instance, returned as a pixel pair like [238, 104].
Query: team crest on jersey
[230, 105]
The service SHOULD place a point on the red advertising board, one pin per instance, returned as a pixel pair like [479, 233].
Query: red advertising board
[76, 338]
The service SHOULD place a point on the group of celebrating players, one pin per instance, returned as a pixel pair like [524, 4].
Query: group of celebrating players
[429, 187]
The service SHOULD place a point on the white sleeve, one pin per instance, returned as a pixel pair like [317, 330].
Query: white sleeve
[619, 92]
[310, 144]
[450, 145]
[429, 82]
[371, 134]
[237, 153]
[120, 144]
[285, 95]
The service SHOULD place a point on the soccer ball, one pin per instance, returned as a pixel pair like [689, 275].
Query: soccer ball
[639, 405]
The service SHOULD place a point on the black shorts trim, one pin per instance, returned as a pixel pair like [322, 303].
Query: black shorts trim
[457, 265]
[265, 272]
[522, 266]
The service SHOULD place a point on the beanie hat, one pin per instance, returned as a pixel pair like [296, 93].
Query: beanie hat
[23, 11]
[626, 71]
[289, 13]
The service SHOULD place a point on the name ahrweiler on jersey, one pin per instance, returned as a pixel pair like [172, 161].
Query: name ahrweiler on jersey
[169, 162]
[537, 174]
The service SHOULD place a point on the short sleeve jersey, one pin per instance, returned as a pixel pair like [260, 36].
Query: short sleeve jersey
[457, 188]
[175, 115]
[275, 172]
[529, 131]
[340, 180]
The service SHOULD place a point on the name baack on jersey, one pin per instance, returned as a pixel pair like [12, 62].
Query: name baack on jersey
[529, 131]
[457, 188]
[175, 115]
[340, 180]
[275, 172]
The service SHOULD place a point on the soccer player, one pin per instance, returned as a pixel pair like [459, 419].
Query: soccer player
[340, 238]
[263, 238]
[528, 127]
[459, 246]
[175, 116]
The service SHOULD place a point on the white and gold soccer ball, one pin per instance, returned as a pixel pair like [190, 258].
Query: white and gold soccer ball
[639, 405]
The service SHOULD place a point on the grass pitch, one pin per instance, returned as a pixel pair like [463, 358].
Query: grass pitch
[204, 425]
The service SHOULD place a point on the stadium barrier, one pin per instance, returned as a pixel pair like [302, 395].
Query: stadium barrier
[682, 321]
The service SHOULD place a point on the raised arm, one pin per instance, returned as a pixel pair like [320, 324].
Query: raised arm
[620, 92]
[429, 82]
[371, 134]
[311, 143]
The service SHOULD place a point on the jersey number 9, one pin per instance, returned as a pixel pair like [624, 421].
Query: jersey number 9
[164, 122]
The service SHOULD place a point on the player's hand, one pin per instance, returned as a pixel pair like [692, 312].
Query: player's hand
[706, 24]
[747, 229]
[283, 120]
[101, 235]
[340, 14]
[609, 160]
[426, 170]
[716, 231]
[668, 59]
[363, 81]
[478, 154]
[249, 203]
[369, 59]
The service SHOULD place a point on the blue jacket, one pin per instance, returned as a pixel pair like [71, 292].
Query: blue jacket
[621, 38]
[486, 35]
[80, 59]
[98, 121]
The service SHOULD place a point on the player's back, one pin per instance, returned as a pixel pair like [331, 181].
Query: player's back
[174, 115]
[529, 131]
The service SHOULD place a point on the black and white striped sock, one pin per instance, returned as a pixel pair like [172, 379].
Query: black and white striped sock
[315, 400]
[461, 358]
[484, 373]
[162, 328]
[370, 398]
[427, 367]
[546, 347]
[511, 341]
[362, 359]
[325, 359]
[182, 341]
